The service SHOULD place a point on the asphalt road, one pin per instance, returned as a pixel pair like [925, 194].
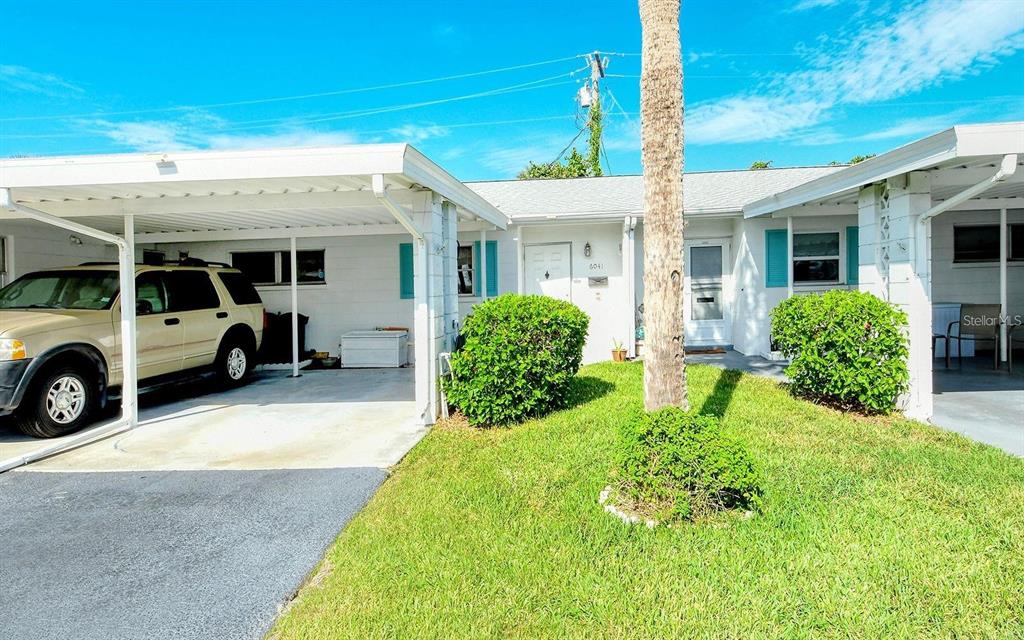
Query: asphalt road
[164, 554]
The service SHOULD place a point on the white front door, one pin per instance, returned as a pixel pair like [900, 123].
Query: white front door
[707, 312]
[549, 270]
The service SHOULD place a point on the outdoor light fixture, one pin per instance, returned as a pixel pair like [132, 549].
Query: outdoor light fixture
[586, 250]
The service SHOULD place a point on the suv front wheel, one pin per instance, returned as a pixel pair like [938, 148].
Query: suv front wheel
[60, 403]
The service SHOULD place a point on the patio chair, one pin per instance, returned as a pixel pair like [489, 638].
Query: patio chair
[978, 322]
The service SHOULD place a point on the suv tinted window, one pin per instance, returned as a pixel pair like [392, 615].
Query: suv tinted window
[239, 287]
[190, 291]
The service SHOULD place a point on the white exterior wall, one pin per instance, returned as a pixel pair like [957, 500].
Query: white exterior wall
[973, 283]
[753, 301]
[605, 304]
[32, 246]
[362, 289]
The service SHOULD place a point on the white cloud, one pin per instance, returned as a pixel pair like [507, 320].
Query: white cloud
[201, 131]
[145, 136]
[803, 5]
[18, 78]
[742, 119]
[930, 42]
[293, 138]
[510, 160]
[415, 133]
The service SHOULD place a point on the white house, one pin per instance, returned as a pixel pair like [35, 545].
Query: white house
[384, 237]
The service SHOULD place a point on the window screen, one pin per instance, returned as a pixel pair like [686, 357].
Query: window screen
[259, 266]
[706, 263]
[239, 288]
[816, 257]
[976, 243]
[1017, 242]
[190, 291]
[310, 266]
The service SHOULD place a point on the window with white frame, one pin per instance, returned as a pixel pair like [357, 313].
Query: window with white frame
[973, 243]
[466, 271]
[275, 267]
[816, 257]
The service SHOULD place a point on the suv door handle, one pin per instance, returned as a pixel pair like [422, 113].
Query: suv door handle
[222, 314]
[170, 322]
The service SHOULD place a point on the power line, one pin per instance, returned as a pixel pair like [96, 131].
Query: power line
[236, 103]
[542, 83]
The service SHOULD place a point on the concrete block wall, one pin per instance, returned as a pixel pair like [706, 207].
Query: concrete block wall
[33, 245]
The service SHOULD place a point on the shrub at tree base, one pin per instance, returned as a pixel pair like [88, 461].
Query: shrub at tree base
[520, 354]
[848, 349]
[673, 465]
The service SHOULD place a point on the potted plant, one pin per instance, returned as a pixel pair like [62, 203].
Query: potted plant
[618, 351]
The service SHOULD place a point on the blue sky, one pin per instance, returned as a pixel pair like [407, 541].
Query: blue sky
[793, 81]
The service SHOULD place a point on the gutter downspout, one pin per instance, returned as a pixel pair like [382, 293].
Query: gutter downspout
[1007, 168]
[129, 394]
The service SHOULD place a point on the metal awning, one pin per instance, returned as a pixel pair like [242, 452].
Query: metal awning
[211, 195]
[956, 158]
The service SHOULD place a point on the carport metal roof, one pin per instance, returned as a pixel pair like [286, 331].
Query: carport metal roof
[956, 159]
[210, 195]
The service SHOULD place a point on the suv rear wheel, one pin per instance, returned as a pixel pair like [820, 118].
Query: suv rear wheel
[61, 402]
[234, 362]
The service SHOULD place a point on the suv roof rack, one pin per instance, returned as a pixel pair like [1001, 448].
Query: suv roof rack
[184, 262]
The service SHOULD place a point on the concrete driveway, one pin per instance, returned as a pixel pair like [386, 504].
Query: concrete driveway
[204, 520]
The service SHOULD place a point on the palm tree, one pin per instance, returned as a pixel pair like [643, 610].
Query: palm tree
[661, 133]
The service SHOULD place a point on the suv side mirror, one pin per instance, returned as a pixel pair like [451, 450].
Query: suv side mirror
[143, 307]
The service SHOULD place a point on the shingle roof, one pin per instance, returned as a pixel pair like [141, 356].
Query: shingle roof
[705, 192]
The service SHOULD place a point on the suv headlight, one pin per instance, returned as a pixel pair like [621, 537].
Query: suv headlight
[12, 350]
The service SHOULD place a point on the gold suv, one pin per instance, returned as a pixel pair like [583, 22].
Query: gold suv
[60, 346]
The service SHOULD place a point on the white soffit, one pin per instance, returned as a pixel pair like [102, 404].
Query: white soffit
[974, 149]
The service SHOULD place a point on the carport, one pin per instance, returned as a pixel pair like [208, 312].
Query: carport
[909, 204]
[286, 194]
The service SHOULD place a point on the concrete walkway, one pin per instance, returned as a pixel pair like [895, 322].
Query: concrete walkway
[981, 403]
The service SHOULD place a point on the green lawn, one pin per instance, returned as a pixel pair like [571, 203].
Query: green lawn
[871, 528]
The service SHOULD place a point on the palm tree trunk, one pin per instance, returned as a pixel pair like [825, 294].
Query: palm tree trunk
[661, 122]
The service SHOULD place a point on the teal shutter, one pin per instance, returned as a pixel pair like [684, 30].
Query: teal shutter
[776, 260]
[852, 255]
[476, 267]
[406, 286]
[492, 268]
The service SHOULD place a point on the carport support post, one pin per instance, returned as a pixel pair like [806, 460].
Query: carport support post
[294, 261]
[906, 281]
[129, 361]
[1003, 253]
[428, 285]
[789, 256]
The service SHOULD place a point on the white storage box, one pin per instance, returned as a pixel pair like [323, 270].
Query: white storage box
[374, 349]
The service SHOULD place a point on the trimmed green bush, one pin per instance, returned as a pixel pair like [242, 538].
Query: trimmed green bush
[848, 349]
[673, 465]
[519, 356]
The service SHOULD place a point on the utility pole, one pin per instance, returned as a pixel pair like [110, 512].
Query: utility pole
[597, 67]
[596, 72]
